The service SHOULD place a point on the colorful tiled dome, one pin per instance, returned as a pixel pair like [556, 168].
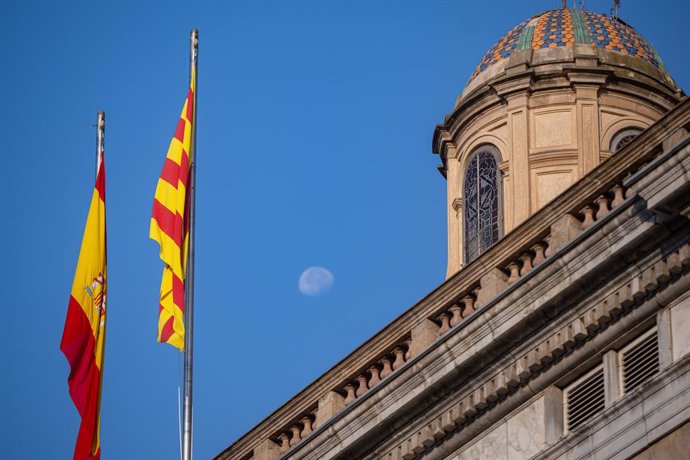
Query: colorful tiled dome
[567, 27]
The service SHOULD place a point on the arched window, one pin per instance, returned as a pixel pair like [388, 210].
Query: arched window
[482, 196]
[623, 138]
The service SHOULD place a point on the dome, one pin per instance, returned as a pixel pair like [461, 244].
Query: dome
[558, 95]
[566, 28]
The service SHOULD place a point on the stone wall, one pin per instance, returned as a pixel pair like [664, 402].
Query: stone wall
[673, 446]
[520, 435]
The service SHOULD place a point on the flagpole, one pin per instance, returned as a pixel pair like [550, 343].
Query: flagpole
[189, 274]
[100, 138]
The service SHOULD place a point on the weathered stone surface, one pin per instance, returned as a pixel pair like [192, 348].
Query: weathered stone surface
[680, 327]
[521, 436]
[423, 334]
[562, 232]
[493, 445]
[267, 450]
[491, 284]
[673, 446]
[329, 404]
[527, 431]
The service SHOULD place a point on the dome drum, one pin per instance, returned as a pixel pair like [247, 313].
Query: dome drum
[546, 61]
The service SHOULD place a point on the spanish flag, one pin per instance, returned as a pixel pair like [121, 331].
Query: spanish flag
[83, 339]
[170, 225]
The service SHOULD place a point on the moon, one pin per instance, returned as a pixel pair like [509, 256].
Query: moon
[315, 281]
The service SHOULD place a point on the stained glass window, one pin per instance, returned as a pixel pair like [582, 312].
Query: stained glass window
[481, 203]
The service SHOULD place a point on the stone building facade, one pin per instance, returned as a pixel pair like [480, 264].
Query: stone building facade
[563, 328]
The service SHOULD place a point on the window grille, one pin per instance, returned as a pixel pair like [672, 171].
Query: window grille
[481, 203]
[639, 361]
[584, 399]
[623, 138]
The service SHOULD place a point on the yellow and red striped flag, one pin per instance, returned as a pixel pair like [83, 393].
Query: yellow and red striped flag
[170, 225]
[83, 339]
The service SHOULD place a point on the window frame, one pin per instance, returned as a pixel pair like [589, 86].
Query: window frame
[621, 135]
[496, 154]
[621, 366]
[576, 384]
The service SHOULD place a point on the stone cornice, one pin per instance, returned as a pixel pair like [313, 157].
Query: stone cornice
[645, 148]
[545, 77]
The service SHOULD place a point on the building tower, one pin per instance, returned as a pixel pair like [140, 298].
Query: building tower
[562, 329]
[557, 95]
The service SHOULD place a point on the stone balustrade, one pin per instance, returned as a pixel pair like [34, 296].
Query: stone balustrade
[291, 435]
[378, 370]
[527, 260]
[453, 315]
[355, 387]
[603, 204]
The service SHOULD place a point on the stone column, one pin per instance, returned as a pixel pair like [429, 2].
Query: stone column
[454, 215]
[507, 199]
[612, 385]
[587, 106]
[518, 145]
[663, 333]
[553, 415]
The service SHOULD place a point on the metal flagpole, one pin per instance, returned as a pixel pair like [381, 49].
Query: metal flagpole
[100, 139]
[189, 274]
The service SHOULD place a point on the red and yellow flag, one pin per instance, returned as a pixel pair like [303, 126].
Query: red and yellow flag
[170, 225]
[83, 340]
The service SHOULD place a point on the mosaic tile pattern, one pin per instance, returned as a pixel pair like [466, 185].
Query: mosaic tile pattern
[502, 49]
[614, 35]
[553, 29]
[566, 27]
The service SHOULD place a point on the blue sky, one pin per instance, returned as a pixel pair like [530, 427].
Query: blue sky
[314, 148]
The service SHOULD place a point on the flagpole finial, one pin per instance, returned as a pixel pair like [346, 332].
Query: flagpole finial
[194, 39]
[100, 138]
[565, 5]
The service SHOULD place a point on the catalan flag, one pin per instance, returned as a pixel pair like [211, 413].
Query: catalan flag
[170, 225]
[83, 339]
